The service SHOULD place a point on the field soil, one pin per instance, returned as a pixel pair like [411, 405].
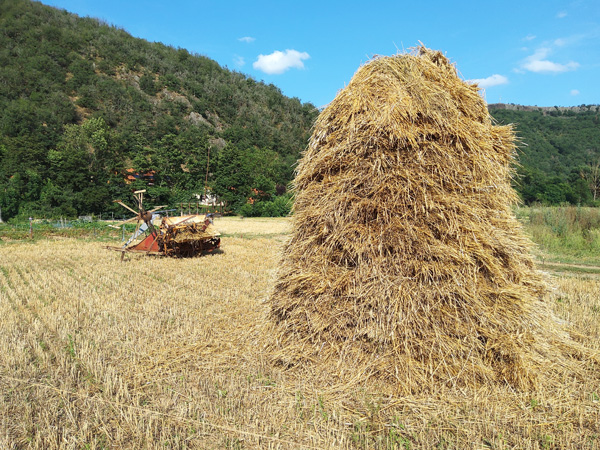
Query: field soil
[170, 353]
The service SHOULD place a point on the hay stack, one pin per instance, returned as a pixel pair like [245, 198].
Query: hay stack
[405, 257]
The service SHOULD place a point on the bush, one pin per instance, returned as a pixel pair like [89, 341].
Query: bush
[278, 207]
[569, 231]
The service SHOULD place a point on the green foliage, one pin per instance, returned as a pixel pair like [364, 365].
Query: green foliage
[279, 206]
[571, 233]
[558, 152]
[82, 73]
[250, 175]
[148, 85]
[81, 102]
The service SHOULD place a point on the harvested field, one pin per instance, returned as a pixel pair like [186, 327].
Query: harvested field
[169, 353]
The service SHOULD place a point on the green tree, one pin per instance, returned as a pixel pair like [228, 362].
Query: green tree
[82, 72]
[591, 174]
[80, 165]
[148, 85]
[10, 196]
[232, 177]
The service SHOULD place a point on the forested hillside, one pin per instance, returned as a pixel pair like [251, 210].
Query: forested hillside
[559, 152]
[84, 106]
[89, 113]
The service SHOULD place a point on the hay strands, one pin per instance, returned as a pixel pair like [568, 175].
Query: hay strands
[179, 236]
[405, 259]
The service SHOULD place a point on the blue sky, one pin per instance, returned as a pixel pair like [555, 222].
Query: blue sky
[538, 52]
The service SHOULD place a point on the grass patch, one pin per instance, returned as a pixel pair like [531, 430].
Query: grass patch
[568, 234]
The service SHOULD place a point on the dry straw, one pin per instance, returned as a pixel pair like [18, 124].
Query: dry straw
[405, 261]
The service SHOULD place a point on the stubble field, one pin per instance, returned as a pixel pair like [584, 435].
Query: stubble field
[169, 353]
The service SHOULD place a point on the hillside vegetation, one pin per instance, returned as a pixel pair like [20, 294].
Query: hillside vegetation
[81, 102]
[84, 106]
[559, 152]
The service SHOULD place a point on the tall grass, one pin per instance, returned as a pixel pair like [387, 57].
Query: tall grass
[568, 234]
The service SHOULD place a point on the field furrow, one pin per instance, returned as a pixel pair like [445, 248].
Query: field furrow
[169, 353]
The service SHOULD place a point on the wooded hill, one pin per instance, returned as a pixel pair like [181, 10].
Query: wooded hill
[89, 113]
[559, 152]
[84, 106]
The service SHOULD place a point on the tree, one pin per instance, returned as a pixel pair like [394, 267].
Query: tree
[83, 73]
[231, 177]
[592, 175]
[80, 165]
[148, 85]
[10, 196]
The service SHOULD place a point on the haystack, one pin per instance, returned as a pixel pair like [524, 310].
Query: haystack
[405, 258]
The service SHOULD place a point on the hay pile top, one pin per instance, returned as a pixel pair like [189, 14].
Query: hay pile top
[192, 227]
[405, 258]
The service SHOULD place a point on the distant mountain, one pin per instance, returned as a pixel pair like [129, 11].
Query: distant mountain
[559, 152]
[83, 105]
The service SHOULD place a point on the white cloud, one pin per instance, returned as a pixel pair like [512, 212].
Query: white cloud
[574, 92]
[278, 62]
[246, 39]
[561, 15]
[549, 66]
[239, 61]
[529, 37]
[537, 63]
[492, 80]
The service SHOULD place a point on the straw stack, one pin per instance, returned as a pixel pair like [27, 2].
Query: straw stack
[405, 258]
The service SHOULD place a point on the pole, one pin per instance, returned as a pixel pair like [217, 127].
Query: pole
[31, 228]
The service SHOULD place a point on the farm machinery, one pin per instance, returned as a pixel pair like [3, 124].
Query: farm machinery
[178, 236]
